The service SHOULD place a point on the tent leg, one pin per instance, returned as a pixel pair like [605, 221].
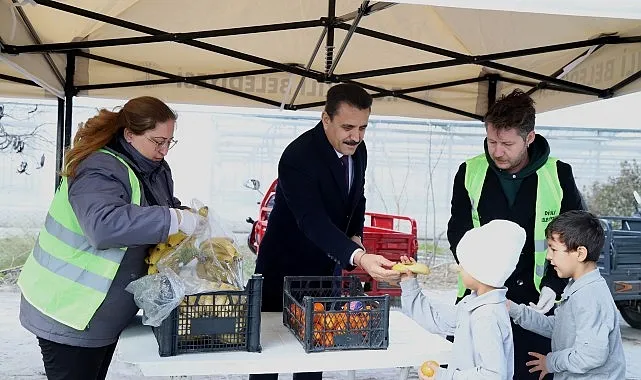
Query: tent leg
[65, 117]
[70, 91]
[329, 44]
[59, 141]
[491, 90]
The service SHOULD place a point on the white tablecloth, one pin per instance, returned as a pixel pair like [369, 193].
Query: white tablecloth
[409, 345]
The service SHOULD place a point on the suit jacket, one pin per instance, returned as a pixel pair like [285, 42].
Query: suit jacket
[314, 217]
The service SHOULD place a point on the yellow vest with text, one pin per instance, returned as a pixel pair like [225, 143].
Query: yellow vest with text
[65, 278]
[548, 205]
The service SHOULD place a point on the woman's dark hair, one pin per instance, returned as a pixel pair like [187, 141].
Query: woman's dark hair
[138, 115]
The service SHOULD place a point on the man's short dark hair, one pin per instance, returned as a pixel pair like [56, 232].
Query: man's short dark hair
[515, 110]
[349, 93]
[578, 228]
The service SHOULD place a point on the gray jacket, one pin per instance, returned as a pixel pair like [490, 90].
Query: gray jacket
[483, 347]
[100, 195]
[586, 338]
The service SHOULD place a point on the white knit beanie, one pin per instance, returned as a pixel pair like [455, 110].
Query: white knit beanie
[489, 253]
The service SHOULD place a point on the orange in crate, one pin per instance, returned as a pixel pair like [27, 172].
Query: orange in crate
[328, 339]
[319, 310]
[341, 313]
[336, 321]
[318, 333]
[297, 319]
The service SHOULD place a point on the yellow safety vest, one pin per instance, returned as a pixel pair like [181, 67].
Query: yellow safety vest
[548, 205]
[64, 277]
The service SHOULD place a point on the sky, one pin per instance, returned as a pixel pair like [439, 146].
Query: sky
[619, 112]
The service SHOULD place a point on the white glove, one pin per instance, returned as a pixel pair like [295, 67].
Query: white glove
[189, 222]
[546, 301]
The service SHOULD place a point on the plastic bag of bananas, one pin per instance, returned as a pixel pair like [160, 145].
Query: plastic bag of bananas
[208, 260]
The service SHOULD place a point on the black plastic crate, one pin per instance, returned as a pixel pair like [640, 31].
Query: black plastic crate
[216, 321]
[334, 313]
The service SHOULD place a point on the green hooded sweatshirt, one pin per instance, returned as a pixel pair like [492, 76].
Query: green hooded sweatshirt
[538, 153]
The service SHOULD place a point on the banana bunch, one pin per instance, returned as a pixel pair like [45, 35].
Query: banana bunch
[221, 248]
[161, 250]
[215, 306]
[220, 261]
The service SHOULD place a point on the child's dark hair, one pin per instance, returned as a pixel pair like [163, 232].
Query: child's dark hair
[578, 228]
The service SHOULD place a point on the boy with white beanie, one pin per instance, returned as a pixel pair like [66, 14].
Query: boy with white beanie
[483, 347]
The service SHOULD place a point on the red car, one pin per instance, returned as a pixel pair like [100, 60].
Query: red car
[381, 235]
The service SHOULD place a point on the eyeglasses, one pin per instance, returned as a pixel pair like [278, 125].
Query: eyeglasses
[159, 145]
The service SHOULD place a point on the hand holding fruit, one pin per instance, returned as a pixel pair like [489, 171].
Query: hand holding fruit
[428, 370]
[377, 267]
[190, 222]
[409, 268]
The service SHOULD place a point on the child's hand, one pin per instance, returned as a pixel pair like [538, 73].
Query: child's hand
[407, 274]
[538, 364]
[428, 370]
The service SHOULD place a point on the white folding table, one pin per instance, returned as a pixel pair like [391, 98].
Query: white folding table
[409, 345]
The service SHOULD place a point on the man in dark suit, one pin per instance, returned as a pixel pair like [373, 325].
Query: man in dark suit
[317, 219]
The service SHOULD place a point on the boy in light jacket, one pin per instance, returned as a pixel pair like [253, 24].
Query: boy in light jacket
[586, 338]
[483, 346]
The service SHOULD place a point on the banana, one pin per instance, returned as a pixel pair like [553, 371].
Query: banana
[220, 247]
[161, 250]
[418, 268]
[175, 239]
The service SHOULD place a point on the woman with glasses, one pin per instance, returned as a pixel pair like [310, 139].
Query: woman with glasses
[115, 200]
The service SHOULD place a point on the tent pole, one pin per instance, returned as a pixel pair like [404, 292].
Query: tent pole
[309, 65]
[70, 92]
[329, 45]
[348, 37]
[60, 136]
[492, 80]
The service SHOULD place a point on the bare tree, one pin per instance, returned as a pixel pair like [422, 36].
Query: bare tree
[400, 196]
[399, 188]
[431, 167]
[27, 142]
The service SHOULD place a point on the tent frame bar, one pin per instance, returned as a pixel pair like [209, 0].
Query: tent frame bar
[179, 79]
[361, 12]
[329, 23]
[162, 37]
[10, 78]
[197, 44]
[37, 41]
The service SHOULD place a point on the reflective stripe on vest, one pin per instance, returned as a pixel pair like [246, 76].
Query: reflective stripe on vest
[548, 205]
[66, 278]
